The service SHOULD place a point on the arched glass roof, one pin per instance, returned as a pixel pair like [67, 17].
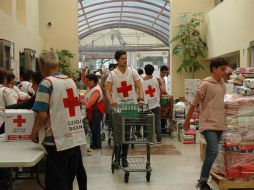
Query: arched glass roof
[149, 16]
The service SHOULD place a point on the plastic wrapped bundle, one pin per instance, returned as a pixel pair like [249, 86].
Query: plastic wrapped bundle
[239, 165]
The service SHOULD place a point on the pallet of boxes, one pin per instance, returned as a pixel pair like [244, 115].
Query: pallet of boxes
[234, 166]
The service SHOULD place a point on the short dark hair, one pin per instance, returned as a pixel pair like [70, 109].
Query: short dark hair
[140, 71]
[111, 66]
[164, 68]
[119, 53]
[37, 77]
[27, 75]
[149, 69]
[217, 63]
[10, 77]
[92, 77]
[3, 75]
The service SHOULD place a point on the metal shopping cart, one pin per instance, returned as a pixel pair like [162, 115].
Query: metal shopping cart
[166, 111]
[126, 119]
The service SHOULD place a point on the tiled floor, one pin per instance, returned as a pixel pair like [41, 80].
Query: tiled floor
[178, 172]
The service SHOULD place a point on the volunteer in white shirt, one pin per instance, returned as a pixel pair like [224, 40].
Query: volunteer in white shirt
[152, 97]
[163, 73]
[121, 87]
[6, 98]
[58, 111]
[16, 92]
[26, 85]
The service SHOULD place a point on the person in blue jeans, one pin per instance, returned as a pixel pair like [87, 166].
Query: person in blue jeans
[210, 94]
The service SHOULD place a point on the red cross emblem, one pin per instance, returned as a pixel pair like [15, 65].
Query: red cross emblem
[19, 120]
[150, 91]
[71, 102]
[124, 89]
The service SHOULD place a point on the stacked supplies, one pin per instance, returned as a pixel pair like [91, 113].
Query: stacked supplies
[236, 155]
[188, 136]
[195, 117]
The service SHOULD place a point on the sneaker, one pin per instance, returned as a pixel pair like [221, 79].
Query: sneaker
[124, 162]
[151, 143]
[202, 185]
[159, 141]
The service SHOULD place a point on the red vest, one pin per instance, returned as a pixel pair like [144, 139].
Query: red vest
[99, 105]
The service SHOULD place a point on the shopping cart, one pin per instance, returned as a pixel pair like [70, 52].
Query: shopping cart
[166, 111]
[126, 119]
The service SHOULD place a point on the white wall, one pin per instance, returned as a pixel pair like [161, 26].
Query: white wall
[231, 28]
[63, 33]
[178, 7]
[23, 35]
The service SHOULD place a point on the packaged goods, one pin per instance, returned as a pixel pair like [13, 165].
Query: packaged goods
[18, 124]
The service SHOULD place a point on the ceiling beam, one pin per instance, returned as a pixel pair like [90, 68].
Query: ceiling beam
[161, 36]
[130, 12]
[123, 18]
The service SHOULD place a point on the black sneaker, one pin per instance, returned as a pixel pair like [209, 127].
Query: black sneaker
[202, 185]
[158, 141]
[124, 162]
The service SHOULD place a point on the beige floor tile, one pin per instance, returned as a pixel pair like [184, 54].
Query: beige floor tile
[177, 172]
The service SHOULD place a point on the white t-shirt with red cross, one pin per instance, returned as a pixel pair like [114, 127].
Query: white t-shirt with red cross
[65, 114]
[151, 92]
[26, 87]
[123, 85]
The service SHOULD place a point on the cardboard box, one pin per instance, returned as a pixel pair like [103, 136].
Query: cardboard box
[18, 124]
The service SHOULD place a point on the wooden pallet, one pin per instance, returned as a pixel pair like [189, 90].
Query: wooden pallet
[225, 184]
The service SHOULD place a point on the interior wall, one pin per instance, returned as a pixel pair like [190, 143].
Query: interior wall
[178, 7]
[26, 34]
[6, 6]
[63, 31]
[21, 11]
[230, 29]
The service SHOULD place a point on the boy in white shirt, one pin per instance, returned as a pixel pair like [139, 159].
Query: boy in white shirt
[152, 97]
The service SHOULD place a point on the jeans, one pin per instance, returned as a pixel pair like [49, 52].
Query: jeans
[212, 139]
[157, 114]
[96, 128]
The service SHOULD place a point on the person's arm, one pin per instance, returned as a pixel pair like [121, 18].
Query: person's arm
[28, 104]
[83, 77]
[199, 97]
[22, 95]
[162, 86]
[30, 89]
[94, 97]
[41, 107]
[40, 121]
[139, 86]
[186, 125]
[108, 89]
